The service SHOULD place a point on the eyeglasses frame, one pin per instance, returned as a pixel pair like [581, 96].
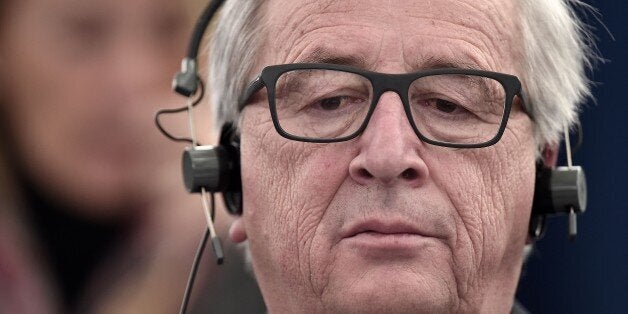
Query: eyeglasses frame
[381, 83]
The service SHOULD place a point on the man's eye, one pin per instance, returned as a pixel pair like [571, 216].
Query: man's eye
[332, 103]
[445, 106]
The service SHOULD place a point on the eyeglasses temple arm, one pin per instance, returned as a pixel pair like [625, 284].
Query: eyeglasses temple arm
[253, 88]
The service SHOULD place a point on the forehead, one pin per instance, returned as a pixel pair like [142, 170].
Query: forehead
[370, 34]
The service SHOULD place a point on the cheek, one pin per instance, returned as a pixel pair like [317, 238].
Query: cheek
[491, 191]
[287, 188]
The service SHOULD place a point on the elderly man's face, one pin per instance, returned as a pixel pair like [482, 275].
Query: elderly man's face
[385, 222]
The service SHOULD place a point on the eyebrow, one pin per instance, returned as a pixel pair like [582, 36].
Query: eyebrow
[323, 55]
[439, 63]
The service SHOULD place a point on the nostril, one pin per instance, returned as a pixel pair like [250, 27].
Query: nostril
[409, 174]
[365, 173]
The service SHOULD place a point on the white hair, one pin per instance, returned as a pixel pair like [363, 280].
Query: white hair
[557, 51]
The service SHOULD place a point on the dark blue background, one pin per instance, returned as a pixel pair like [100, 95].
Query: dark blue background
[591, 275]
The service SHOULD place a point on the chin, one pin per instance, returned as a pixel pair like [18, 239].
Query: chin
[394, 291]
[384, 303]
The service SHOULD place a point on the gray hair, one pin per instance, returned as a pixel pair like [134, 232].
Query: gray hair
[232, 55]
[557, 51]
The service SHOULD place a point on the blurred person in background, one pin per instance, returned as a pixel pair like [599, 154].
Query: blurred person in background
[95, 218]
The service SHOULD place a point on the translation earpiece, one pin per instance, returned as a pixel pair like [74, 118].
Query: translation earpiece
[216, 168]
[562, 190]
[205, 168]
[185, 83]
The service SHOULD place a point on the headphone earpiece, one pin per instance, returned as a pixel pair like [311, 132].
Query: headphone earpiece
[185, 83]
[562, 190]
[216, 168]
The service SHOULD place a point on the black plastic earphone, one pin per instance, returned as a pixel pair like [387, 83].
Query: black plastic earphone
[558, 191]
[206, 169]
[216, 168]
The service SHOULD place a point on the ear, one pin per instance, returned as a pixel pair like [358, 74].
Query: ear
[549, 158]
[550, 155]
[237, 231]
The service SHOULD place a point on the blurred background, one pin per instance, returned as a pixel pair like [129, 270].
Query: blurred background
[591, 274]
[93, 214]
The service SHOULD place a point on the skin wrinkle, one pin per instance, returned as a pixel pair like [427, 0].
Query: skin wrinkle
[471, 25]
[313, 31]
[499, 194]
[305, 210]
[460, 155]
[455, 52]
[274, 185]
[486, 38]
[491, 15]
[306, 246]
[488, 203]
[484, 63]
[475, 57]
[471, 219]
[301, 54]
[511, 129]
[294, 23]
[320, 291]
[480, 247]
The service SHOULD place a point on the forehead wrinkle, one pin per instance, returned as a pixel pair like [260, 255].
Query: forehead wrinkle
[464, 53]
[487, 31]
[292, 44]
[483, 49]
[492, 13]
[322, 51]
[319, 46]
[499, 30]
[478, 54]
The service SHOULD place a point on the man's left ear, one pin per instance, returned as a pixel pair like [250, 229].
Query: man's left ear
[550, 155]
[549, 158]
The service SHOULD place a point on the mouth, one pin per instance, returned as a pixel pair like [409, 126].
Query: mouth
[377, 227]
[379, 238]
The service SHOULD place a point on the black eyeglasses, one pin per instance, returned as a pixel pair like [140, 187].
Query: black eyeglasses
[326, 103]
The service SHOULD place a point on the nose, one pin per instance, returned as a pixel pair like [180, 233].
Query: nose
[389, 149]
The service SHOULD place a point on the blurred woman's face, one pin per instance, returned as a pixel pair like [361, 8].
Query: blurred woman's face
[82, 80]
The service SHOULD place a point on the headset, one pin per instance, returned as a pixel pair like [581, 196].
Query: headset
[216, 169]
[560, 190]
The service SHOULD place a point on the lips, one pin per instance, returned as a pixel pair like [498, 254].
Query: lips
[380, 227]
[384, 240]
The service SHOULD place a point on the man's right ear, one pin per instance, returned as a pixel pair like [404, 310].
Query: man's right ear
[237, 231]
